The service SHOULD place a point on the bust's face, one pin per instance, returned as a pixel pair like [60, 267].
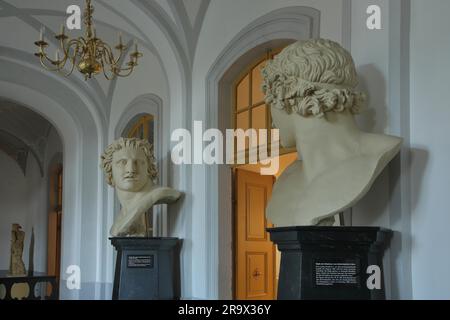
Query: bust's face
[129, 169]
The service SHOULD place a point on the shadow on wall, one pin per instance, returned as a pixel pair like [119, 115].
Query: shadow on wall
[419, 160]
[175, 215]
[373, 118]
[420, 157]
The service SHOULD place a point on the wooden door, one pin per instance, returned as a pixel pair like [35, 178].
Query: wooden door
[54, 244]
[255, 254]
[54, 225]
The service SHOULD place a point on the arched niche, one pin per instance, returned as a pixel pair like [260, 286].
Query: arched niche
[152, 105]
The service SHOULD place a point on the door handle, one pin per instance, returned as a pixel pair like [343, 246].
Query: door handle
[256, 273]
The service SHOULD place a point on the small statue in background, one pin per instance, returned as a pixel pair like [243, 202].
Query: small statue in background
[17, 267]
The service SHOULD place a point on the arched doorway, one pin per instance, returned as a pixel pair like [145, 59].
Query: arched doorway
[28, 142]
[274, 30]
[256, 260]
[55, 216]
[83, 185]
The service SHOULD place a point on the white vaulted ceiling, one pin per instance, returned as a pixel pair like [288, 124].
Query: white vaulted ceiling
[179, 21]
[23, 132]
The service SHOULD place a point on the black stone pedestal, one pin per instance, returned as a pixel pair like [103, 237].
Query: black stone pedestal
[330, 262]
[146, 269]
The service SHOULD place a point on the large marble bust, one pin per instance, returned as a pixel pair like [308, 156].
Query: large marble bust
[310, 87]
[129, 166]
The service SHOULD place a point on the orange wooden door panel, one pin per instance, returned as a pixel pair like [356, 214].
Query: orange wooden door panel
[255, 254]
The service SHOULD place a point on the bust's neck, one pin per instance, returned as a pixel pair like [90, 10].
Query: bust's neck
[326, 143]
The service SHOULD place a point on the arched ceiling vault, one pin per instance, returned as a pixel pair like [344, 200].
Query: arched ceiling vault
[23, 132]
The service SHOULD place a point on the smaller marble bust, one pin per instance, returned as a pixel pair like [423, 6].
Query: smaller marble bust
[129, 166]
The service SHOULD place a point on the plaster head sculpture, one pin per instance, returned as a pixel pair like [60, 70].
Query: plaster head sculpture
[129, 166]
[310, 87]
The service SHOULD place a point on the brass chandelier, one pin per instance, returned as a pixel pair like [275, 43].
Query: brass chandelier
[89, 54]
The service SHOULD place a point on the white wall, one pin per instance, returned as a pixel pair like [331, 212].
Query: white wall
[430, 118]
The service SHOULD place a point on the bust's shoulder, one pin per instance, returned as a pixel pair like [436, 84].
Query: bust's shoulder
[165, 194]
[160, 190]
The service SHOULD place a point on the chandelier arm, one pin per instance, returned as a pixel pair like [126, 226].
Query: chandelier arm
[72, 68]
[66, 54]
[123, 75]
[103, 68]
[108, 51]
[101, 50]
[45, 58]
[72, 42]
[121, 55]
[81, 44]
[73, 58]
[57, 63]
[65, 45]
[76, 44]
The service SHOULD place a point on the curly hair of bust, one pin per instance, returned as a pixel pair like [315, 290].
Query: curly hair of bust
[311, 78]
[144, 145]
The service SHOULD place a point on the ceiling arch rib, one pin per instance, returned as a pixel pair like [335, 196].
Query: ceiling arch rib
[170, 30]
[190, 15]
[143, 39]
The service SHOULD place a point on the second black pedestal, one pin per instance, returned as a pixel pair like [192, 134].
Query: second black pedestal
[146, 269]
[330, 262]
